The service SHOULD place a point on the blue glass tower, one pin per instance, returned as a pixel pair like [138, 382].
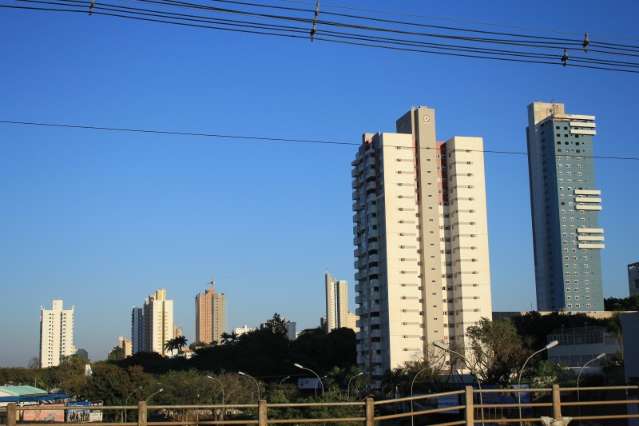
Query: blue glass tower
[565, 209]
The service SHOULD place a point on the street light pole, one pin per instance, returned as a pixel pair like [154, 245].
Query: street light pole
[597, 358]
[284, 379]
[219, 382]
[301, 367]
[259, 395]
[545, 348]
[148, 398]
[472, 371]
[412, 418]
[348, 387]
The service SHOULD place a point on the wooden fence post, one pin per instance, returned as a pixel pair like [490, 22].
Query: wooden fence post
[370, 412]
[470, 406]
[556, 402]
[142, 413]
[262, 413]
[12, 414]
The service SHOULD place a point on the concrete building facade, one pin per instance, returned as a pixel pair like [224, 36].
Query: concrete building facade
[565, 206]
[337, 313]
[158, 322]
[210, 316]
[421, 240]
[152, 324]
[633, 279]
[56, 334]
[126, 345]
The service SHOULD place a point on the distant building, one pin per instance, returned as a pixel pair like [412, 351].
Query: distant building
[633, 279]
[210, 316]
[238, 331]
[291, 330]
[56, 334]
[630, 330]
[126, 346]
[137, 329]
[337, 313]
[578, 345]
[177, 331]
[565, 207]
[152, 325]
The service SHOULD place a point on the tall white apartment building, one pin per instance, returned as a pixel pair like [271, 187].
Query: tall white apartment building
[337, 312]
[56, 334]
[421, 237]
[152, 324]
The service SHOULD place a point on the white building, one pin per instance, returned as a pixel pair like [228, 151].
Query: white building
[56, 334]
[421, 242]
[152, 324]
[337, 313]
[291, 330]
[238, 331]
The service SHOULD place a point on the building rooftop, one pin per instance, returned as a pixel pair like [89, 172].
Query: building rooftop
[11, 390]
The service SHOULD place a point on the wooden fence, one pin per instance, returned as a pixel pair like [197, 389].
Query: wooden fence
[473, 407]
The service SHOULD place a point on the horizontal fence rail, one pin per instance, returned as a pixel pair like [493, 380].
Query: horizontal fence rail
[462, 407]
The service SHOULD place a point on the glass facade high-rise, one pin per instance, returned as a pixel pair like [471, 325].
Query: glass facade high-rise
[565, 209]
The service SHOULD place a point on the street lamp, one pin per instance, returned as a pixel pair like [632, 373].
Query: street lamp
[259, 395]
[148, 398]
[284, 379]
[597, 358]
[412, 419]
[348, 387]
[301, 367]
[219, 382]
[545, 348]
[472, 370]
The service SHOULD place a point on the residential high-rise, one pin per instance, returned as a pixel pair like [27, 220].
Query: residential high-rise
[210, 320]
[56, 334]
[152, 325]
[633, 279]
[421, 239]
[337, 313]
[137, 329]
[565, 209]
[126, 346]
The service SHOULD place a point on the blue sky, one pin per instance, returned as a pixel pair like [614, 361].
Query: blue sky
[103, 219]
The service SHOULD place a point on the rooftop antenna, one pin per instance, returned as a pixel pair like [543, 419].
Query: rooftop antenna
[315, 16]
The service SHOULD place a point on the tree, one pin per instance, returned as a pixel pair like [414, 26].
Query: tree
[117, 353]
[495, 350]
[622, 304]
[176, 344]
[276, 325]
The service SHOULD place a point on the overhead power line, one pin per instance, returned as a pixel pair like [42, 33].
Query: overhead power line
[359, 35]
[271, 139]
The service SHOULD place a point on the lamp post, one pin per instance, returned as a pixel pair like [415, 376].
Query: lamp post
[284, 379]
[472, 371]
[545, 348]
[348, 387]
[301, 367]
[412, 419]
[148, 398]
[259, 395]
[219, 382]
[597, 358]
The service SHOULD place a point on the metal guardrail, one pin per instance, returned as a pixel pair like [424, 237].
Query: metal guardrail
[467, 412]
